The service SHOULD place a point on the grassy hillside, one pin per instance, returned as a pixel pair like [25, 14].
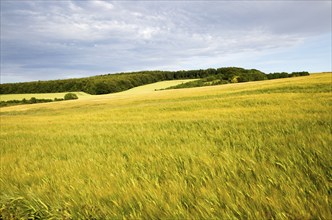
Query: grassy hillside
[7, 97]
[155, 86]
[23, 99]
[112, 83]
[254, 150]
[81, 95]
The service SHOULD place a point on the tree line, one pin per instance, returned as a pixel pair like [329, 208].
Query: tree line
[231, 76]
[286, 75]
[111, 83]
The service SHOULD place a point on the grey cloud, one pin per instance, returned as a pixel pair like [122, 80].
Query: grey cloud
[82, 37]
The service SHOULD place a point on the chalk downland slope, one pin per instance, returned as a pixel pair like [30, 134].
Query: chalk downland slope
[256, 150]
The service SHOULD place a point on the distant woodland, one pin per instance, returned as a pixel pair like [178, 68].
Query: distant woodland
[111, 83]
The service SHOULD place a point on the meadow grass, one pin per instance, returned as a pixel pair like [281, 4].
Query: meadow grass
[257, 150]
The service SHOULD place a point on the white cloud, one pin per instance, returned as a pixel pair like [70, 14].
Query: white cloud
[103, 36]
[102, 5]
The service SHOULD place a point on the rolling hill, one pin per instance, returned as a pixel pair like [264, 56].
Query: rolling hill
[112, 83]
[254, 150]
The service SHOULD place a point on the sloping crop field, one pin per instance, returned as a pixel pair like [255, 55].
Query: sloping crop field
[82, 95]
[257, 150]
[27, 96]
[156, 86]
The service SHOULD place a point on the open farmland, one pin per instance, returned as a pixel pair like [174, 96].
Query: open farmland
[254, 150]
[82, 95]
[59, 95]
[156, 86]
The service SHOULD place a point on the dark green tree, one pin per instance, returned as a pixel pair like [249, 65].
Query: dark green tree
[70, 96]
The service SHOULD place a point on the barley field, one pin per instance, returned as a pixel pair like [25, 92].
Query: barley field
[257, 150]
[7, 97]
[82, 95]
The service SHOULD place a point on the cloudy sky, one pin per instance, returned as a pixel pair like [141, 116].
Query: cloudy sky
[64, 39]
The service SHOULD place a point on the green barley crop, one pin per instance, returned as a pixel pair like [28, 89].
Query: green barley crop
[257, 150]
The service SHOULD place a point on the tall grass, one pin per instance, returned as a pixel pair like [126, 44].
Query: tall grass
[255, 150]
